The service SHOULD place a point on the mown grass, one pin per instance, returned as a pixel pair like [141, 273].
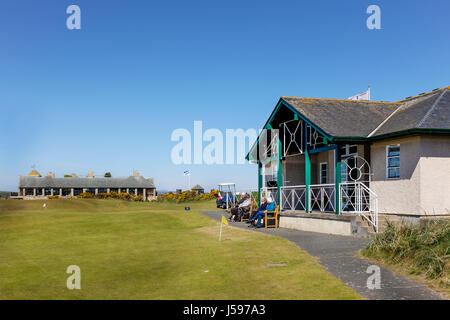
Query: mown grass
[132, 250]
[423, 251]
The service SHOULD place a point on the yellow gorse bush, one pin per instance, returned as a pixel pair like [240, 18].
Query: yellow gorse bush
[110, 195]
[188, 195]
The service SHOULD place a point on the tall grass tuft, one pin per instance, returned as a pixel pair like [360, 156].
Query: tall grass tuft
[423, 249]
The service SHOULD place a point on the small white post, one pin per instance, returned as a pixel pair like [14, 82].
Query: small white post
[220, 233]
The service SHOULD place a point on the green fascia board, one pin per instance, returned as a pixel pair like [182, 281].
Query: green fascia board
[326, 135]
[410, 132]
[265, 127]
[272, 115]
[318, 150]
[350, 139]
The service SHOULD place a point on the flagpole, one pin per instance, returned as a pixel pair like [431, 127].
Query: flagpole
[188, 174]
[220, 233]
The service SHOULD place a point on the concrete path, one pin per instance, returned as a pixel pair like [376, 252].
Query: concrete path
[337, 255]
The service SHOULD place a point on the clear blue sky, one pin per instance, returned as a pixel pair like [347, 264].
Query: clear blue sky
[108, 96]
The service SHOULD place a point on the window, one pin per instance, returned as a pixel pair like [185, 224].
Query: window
[349, 149]
[393, 161]
[323, 172]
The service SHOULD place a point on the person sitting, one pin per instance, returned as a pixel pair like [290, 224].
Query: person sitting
[245, 212]
[261, 210]
[243, 208]
[235, 210]
[260, 214]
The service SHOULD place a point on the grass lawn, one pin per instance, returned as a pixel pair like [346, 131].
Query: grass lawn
[131, 250]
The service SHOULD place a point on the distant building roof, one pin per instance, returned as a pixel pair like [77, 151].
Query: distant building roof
[74, 182]
[197, 187]
[34, 173]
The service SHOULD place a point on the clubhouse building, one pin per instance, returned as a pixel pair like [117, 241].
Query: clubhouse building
[356, 158]
[34, 186]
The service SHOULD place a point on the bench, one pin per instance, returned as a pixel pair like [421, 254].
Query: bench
[271, 215]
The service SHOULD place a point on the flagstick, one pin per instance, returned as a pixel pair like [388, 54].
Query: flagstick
[220, 233]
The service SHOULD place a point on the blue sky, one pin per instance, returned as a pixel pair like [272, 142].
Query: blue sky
[107, 97]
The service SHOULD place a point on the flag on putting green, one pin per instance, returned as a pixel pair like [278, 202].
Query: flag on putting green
[224, 221]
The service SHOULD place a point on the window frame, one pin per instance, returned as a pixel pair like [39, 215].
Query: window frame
[346, 149]
[387, 161]
[320, 172]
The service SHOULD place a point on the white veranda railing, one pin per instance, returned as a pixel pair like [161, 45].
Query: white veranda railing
[321, 197]
[293, 198]
[358, 198]
[354, 197]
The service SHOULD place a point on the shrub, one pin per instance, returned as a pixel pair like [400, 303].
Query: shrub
[53, 197]
[110, 195]
[85, 195]
[125, 196]
[108, 175]
[114, 195]
[423, 249]
[67, 176]
[187, 195]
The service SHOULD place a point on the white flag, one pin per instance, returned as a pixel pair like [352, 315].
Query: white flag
[361, 96]
[187, 173]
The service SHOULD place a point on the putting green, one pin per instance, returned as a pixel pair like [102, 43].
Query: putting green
[130, 250]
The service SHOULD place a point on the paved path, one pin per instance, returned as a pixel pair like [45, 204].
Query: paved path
[337, 255]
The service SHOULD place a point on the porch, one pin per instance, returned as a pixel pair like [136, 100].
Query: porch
[319, 202]
[305, 171]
